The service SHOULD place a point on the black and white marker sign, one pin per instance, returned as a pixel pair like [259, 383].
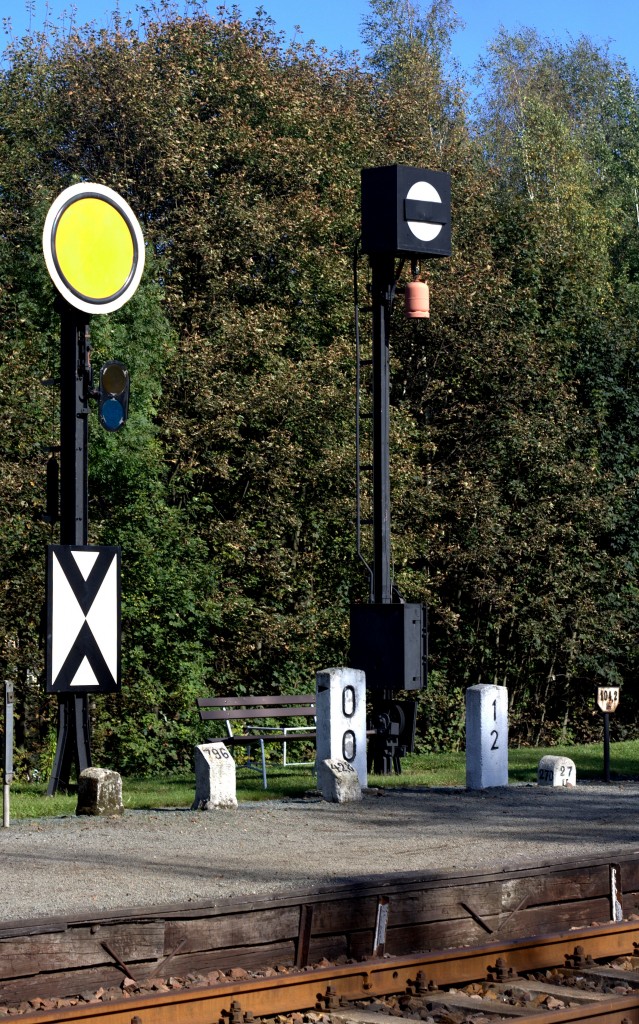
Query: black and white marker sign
[83, 619]
[608, 698]
[406, 211]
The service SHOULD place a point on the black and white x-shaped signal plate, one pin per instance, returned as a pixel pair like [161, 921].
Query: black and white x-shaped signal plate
[83, 619]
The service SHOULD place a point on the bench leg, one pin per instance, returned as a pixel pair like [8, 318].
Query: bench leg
[265, 783]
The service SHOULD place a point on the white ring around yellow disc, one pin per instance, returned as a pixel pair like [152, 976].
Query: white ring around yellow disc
[93, 248]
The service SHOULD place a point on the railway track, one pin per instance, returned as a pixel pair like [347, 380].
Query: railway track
[63, 956]
[562, 970]
[209, 963]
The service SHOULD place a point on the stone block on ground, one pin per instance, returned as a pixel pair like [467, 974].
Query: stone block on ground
[99, 792]
[554, 770]
[338, 781]
[215, 785]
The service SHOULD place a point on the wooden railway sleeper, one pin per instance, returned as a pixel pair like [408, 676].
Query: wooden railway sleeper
[268, 996]
[121, 964]
[611, 974]
[163, 962]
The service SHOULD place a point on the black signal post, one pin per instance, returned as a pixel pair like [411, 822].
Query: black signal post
[76, 379]
[94, 252]
[74, 419]
[405, 212]
[383, 289]
[73, 744]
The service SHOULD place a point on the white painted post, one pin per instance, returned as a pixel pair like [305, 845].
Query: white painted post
[215, 783]
[341, 718]
[486, 736]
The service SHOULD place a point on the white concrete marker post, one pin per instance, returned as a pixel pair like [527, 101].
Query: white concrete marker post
[215, 785]
[486, 736]
[553, 770]
[341, 718]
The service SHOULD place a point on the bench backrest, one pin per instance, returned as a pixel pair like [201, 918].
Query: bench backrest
[284, 706]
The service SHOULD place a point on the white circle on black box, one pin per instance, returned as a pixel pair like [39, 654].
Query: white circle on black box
[424, 192]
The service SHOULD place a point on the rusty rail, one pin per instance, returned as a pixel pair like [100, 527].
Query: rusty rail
[323, 988]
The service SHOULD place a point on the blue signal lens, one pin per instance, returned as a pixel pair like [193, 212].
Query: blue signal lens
[112, 414]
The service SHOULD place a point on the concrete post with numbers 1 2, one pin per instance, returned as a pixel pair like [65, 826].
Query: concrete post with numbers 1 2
[486, 736]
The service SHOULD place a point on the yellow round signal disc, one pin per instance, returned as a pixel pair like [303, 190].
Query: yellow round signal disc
[93, 248]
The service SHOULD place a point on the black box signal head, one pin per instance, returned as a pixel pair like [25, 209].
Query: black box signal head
[113, 399]
[405, 211]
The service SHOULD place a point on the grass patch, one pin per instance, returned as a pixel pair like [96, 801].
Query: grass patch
[588, 758]
[29, 799]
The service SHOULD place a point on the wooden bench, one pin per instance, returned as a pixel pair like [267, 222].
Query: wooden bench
[253, 712]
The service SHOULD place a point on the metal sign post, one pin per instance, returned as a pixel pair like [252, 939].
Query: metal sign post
[608, 701]
[94, 252]
[7, 777]
[383, 290]
[73, 709]
[405, 212]
[606, 741]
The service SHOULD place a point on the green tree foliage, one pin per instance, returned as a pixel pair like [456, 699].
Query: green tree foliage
[168, 580]
[230, 490]
[235, 156]
[556, 574]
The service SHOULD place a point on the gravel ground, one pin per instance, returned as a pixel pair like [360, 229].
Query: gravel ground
[72, 865]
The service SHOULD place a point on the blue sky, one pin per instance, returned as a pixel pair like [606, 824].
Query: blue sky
[336, 23]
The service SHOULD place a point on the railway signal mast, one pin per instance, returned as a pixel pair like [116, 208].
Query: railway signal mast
[405, 213]
[94, 252]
